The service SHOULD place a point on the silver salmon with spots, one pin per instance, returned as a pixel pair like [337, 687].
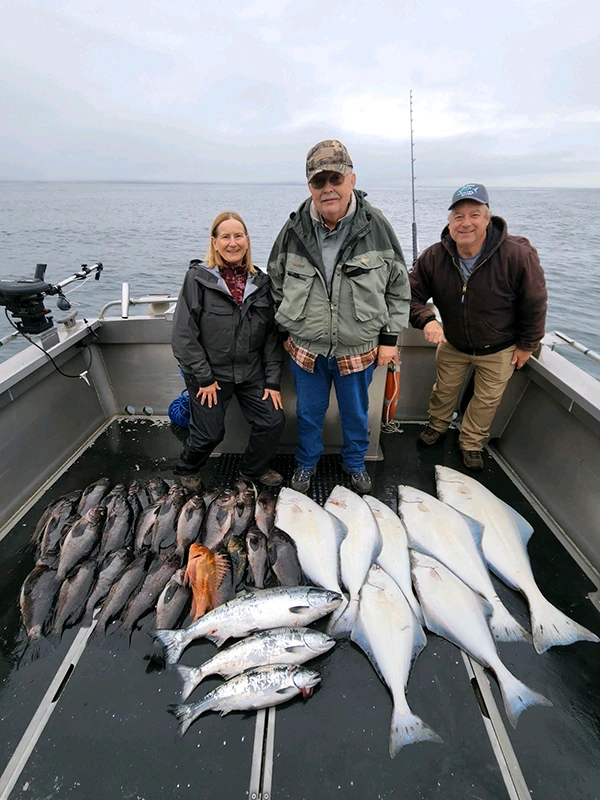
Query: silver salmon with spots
[262, 687]
[280, 607]
[279, 646]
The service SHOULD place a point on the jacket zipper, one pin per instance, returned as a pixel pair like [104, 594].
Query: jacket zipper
[464, 292]
[358, 235]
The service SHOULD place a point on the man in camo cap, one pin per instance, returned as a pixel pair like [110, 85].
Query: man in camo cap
[342, 294]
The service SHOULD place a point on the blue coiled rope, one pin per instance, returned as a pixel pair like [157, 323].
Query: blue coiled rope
[179, 410]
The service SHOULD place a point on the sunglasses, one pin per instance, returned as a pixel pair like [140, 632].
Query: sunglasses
[322, 178]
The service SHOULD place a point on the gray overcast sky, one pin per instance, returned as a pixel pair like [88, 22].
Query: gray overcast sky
[504, 93]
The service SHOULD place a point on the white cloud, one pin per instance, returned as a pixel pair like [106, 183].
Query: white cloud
[269, 72]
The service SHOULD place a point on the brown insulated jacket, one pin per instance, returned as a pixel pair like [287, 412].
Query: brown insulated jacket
[503, 303]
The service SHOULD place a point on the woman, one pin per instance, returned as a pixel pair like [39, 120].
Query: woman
[226, 343]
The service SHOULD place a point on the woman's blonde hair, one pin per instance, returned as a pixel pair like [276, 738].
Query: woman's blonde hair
[213, 258]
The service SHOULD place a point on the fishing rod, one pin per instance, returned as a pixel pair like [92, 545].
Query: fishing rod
[415, 244]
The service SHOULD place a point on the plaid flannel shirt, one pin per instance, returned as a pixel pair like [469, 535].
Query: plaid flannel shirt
[346, 364]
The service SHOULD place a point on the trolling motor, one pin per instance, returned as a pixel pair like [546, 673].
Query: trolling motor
[24, 298]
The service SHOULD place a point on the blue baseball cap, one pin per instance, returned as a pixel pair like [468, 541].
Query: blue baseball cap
[470, 191]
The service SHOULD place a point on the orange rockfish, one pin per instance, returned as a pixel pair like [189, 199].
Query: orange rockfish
[205, 574]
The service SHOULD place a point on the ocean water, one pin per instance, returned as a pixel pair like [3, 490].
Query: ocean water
[147, 233]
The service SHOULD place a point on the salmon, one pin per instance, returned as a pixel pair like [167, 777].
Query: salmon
[205, 574]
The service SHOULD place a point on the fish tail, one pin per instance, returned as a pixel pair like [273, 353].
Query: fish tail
[55, 635]
[88, 617]
[98, 633]
[551, 627]
[504, 626]
[172, 644]
[343, 618]
[184, 714]
[408, 728]
[38, 646]
[517, 697]
[191, 677]
[119, 638]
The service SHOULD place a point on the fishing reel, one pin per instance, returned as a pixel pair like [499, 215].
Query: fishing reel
[24, 298]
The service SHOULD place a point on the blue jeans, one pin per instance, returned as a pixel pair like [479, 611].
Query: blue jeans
[312, 401]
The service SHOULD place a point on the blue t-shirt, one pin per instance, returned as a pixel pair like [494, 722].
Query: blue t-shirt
[467, 264]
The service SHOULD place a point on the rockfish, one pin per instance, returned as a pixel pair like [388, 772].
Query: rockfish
[204, 575]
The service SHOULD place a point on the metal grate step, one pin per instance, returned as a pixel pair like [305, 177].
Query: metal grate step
[329, 473]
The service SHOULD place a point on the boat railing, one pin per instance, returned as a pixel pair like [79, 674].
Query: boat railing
[158, 304]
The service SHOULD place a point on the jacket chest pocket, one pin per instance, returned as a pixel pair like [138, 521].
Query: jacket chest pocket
[296, 291]
[367, 280]
[216, 325]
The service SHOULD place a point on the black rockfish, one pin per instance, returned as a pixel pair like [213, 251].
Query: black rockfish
[112, 568]
[81, 540]
[93, 495]
[72, 598]
[36, 600]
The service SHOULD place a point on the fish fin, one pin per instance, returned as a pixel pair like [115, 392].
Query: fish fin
[222, 566]
[550, 627]
[408, 728]
[88, 617]
[297, 609]
[414, 604]
[504, 578]
[476, 529]
[172, 644]
[191, 677]
[193, 610]
[339, 527]
[517, 697]
[37, 647]
[184, 715]
[524, 528]
[218, 640]
[290, 690]
[486, 606]
[342, 619]
[419, 641]
[55, 635]
[359, 636]
[294, 648]
[504, 626]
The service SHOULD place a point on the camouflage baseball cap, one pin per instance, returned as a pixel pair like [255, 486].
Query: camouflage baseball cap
[327, 156]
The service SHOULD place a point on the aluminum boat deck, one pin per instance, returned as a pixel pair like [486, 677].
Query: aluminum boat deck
[109, 735]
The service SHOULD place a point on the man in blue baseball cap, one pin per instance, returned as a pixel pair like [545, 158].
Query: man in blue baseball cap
[490, 292]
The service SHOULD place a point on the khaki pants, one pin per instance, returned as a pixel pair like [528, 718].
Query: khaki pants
[492, 373]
